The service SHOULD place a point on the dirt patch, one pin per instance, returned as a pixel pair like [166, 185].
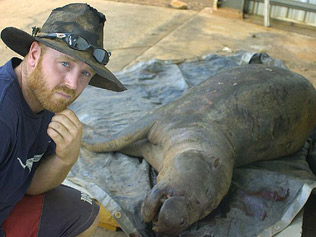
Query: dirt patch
[195, 5]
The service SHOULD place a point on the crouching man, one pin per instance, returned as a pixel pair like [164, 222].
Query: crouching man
[40, 138]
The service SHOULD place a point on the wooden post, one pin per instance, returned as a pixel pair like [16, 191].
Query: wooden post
[215, 4]
[266, 13]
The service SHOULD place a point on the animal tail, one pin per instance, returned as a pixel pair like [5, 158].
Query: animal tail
[116, 142]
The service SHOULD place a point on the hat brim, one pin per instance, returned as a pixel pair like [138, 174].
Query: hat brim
[20, 41]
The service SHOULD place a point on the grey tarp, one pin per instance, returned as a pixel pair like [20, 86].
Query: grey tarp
[263, 199]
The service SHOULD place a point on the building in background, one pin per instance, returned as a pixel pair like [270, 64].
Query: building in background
[296, 11]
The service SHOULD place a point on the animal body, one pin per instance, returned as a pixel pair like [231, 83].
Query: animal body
[236, 117]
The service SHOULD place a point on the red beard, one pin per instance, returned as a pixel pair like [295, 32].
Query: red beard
[39, 89]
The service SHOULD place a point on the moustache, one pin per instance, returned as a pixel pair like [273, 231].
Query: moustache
[65, 90]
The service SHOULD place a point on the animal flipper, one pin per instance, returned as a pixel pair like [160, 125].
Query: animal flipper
[135, 132]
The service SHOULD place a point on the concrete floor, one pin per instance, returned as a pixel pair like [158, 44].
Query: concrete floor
[135, 33]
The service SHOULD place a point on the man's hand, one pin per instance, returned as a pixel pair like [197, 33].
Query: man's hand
[66, 131]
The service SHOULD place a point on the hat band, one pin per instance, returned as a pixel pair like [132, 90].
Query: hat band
[79, 43]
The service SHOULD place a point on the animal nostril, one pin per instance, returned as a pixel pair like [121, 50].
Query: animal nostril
[182, 222]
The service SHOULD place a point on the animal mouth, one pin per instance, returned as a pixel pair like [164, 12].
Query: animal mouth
[165, 221]
[156, 216]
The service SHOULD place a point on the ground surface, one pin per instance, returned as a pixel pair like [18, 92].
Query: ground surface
[195, 5]
[301, 61]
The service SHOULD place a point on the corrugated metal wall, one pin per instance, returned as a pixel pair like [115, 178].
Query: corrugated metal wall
[237, 4]
[287, 13]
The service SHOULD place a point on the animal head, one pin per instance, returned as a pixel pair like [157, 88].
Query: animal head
[185, 195]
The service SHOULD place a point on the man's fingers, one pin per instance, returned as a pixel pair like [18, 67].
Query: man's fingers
[71, 116]
[65, 127]
[66, 131]
[55, 135]
[69, 121]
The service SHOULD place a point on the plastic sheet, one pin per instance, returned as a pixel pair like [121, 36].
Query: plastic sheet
[264, 197]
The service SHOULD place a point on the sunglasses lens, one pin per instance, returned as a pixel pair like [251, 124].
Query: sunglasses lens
[77, 42]
[101, 56]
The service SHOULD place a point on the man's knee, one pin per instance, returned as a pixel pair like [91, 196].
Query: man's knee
[69, 210]
[92, 229]
[62, 211]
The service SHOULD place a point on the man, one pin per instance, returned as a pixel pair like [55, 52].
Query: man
[40, 138]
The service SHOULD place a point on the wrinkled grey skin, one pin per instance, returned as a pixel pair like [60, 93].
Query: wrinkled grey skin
[236, 117]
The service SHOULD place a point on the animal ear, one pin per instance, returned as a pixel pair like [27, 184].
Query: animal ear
[217, 162]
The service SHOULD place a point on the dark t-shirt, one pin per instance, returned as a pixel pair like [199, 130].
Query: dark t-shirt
[23, 140]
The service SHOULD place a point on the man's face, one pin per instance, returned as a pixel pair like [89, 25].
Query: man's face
[58, 80]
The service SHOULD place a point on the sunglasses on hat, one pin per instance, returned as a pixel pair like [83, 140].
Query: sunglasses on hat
[79, 43]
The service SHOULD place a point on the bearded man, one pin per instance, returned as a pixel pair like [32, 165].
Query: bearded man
[40, 138]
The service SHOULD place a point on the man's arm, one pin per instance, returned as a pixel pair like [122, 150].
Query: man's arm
[66, 131]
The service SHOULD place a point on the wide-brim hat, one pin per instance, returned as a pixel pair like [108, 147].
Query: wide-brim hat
[77, 18]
